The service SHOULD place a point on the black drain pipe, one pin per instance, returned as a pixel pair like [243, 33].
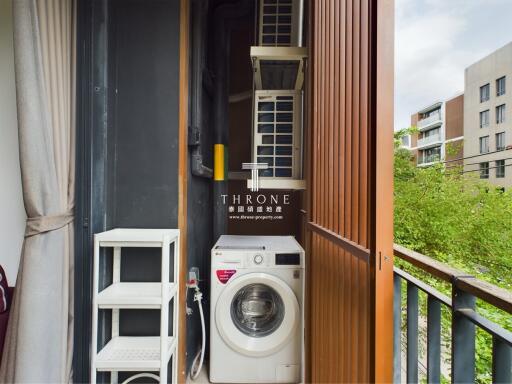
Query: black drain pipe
[197, 127]
[222, 17]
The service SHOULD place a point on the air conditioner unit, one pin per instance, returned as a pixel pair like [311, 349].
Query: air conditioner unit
[278, 67]
[277, 138]
[278, 60]
[279, 23]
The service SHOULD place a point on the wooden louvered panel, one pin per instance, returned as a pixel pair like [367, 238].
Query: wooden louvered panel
[349, 100]
[339, 337]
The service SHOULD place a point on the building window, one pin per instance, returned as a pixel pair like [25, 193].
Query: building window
[500, 168]
[484, 118]
[434, 112]
[431, 133]
[406, 141]
[500, 141]
[430, 155]
[500, 86]
[484, 93]
[500, 114]
[484, 170]
[484, 144]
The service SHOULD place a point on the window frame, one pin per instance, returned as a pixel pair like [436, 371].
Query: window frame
[486, 87]
[484, 170]
[500, 168]
[501, 108]
[433, 157]
[503, 136]
[431, 132]
[498, 82]
[484, 113]
[483, 140]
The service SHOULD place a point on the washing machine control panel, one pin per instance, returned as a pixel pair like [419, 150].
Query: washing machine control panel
[258, 259]
[272, 259]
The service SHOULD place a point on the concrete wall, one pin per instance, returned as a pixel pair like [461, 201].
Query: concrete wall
[488, 70]
[12, 217]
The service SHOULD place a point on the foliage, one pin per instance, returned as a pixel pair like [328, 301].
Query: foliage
[453, 149]
[460, 220]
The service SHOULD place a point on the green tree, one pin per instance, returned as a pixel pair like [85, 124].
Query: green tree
[458, 219]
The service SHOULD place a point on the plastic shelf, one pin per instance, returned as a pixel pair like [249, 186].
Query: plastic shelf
[125, 353]
[134, 295]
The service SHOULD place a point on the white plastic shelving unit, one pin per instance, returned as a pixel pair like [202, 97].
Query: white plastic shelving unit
[134, 353]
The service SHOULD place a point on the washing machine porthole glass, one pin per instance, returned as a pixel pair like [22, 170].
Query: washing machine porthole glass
[257, 310]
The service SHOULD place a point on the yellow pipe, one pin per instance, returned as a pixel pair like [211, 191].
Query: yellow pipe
[218, 162]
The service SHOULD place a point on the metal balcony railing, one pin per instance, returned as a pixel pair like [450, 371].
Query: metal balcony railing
[464, 320]
[433, 118]
[429, 140]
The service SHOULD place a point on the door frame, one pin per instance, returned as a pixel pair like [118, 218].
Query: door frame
[183, 182]
[383, 19]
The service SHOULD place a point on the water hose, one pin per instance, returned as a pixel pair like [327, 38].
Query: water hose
[195, 369]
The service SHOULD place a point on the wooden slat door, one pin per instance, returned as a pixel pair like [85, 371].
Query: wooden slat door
[349, 100]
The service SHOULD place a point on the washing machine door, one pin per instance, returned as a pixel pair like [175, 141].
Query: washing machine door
[257, 314]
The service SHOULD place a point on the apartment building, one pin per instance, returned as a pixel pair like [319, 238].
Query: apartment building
[488, 117]
[440, 132]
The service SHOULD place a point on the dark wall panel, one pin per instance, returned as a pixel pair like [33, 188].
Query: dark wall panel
[127, 144]
[144, 127]
[142, 135]
[143, 139]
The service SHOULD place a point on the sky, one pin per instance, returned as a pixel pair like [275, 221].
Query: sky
[435, 40]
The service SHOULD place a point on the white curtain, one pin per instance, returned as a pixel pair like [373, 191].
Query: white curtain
[38, 346]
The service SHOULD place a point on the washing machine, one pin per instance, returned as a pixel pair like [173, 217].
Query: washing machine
[257, 316]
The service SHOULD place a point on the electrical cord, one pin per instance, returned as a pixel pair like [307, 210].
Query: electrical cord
[480, 170]
[477, 155]
[140, 375]
[508, 148]
[480, 162]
